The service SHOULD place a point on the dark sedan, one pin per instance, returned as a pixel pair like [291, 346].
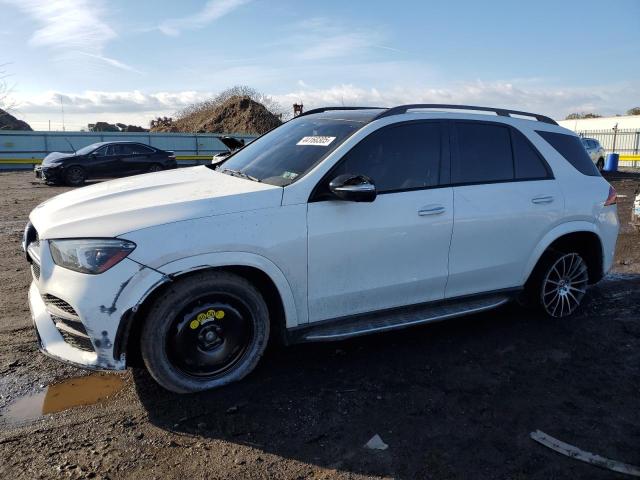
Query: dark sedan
[104, 159]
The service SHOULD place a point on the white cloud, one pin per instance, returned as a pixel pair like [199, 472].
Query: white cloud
[94, 102]
[111, 61]
[554, 101]
[139, 107]
[70, 27]
[323, 38]
[67, 23]
[212, 11]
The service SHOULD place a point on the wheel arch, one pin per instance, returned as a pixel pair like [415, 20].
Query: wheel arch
[271, 283]
[581, 237]
[75, 164]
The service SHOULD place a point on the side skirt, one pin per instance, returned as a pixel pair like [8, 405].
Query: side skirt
[393, 319]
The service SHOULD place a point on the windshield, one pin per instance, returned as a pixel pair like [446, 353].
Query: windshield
[88, 149]
[288, 152]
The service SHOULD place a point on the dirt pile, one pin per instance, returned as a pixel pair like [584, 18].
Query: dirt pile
[9, 122]
[235, 115]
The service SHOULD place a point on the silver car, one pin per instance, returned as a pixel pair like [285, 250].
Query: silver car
[595, 151]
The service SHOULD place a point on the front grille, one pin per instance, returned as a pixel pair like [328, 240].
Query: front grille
[76, 341]
[74, 324]
[35, 271]
[59, 303]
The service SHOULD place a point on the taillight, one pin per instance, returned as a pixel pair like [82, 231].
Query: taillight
[612, 199]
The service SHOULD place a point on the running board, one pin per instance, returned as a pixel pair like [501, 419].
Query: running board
[374, 322]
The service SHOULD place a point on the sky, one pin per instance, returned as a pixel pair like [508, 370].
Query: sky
[124, 61]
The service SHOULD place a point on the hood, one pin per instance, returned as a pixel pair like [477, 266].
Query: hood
[115, 207]
[53, 156]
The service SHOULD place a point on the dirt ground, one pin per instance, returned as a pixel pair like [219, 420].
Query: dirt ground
[453, 400]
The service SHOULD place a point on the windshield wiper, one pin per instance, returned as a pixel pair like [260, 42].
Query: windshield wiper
[237, 173]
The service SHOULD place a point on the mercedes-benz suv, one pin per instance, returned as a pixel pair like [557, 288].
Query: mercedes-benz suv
[340, 222]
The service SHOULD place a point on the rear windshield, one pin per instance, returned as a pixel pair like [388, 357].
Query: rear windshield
[285, 154]
[572, 149]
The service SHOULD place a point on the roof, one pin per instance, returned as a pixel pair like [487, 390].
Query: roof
[360, 114]
[367, 114]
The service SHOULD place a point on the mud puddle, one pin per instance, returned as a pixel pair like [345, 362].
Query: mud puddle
[70, 393]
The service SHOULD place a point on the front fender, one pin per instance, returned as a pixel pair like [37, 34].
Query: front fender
[550, 237]
[242, 259]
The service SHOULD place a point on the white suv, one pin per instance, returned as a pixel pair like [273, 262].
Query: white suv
[341, 222]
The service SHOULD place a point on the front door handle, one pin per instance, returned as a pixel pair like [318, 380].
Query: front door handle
[431, 210]
[542, 200]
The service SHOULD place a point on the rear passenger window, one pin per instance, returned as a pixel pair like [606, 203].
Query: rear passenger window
[483, 153]
[529, 165]
[141, 149]
[400, 157]
[570, 147]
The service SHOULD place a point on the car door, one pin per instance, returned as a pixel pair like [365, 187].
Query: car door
[104, 161]
[128, 163]
[505, 200]
[391, 252]
[143, 157]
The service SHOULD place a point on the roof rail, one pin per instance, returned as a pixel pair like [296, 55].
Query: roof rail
[325, 109]
[499, 111]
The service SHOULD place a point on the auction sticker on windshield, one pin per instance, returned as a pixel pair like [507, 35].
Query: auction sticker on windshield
[318, 141]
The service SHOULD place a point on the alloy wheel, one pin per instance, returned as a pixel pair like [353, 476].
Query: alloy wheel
[564, 285]
[75, 175]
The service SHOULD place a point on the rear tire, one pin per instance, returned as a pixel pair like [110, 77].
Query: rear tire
[600, 164]
[75, 176]
[204, 332]
[154, 167]
[558, 284]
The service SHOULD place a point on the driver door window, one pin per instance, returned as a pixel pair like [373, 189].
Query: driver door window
[102, 151]
[398, 158]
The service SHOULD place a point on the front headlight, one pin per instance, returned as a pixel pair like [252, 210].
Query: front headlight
[90, 255]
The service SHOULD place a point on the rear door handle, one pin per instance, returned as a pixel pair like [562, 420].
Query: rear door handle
[542, 200]
[431, 210]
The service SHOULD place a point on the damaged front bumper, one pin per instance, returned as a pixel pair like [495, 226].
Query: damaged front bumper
[51, 342]
[49, 174]
[78, 317]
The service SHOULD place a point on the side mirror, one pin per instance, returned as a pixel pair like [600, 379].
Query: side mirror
[353, 188]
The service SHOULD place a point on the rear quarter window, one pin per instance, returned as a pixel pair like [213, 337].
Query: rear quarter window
[529, 165]
[571, 148]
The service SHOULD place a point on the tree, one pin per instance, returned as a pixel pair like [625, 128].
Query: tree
[634, 111]
[578, 116]
[8, 121]
[5, 89]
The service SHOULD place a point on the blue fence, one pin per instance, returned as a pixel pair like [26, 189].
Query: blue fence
[23, 150]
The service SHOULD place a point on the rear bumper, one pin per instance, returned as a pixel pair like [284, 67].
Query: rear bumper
[609, 227]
